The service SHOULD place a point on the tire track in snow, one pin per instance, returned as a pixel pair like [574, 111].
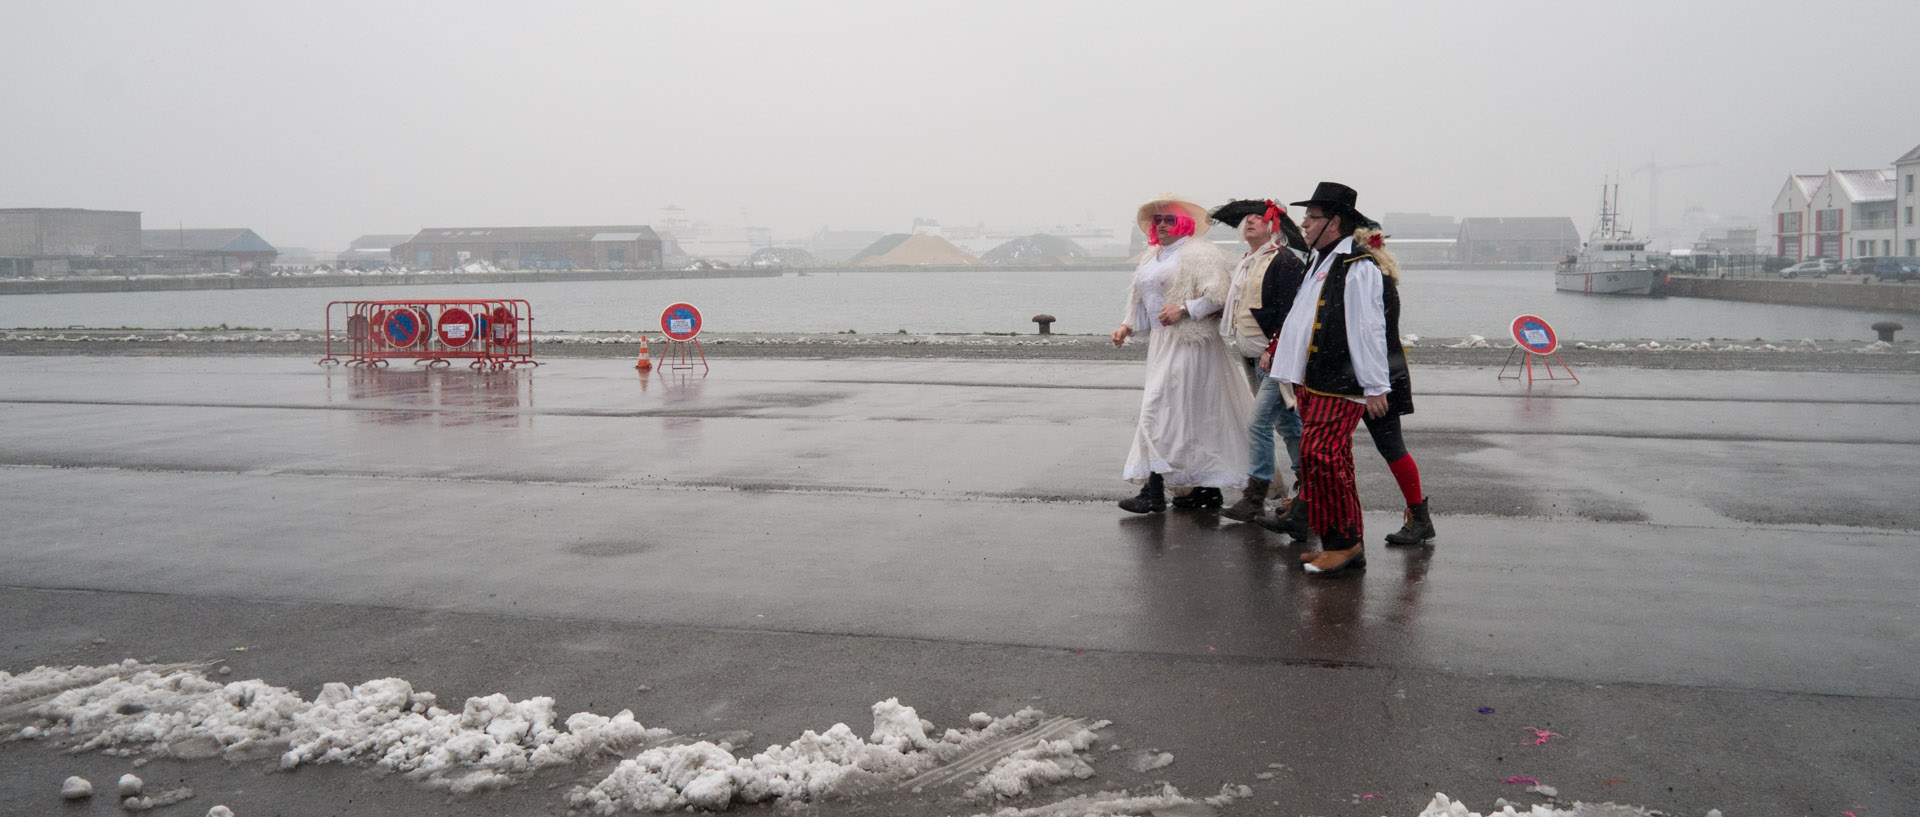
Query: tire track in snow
[992, 752]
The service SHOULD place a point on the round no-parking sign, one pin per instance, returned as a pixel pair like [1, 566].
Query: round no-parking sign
[1534, 335]
[503, 328]
[680, 322]
[404, 326]
[456, 327]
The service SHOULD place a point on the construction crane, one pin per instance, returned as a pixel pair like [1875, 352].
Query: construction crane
[1653, 170]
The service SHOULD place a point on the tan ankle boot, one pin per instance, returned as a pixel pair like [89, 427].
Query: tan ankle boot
[1330, 562]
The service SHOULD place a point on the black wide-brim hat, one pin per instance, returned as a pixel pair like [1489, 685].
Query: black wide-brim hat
[1336, 198]
[1236, 211]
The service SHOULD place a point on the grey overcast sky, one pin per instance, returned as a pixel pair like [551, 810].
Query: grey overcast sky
[313, 123]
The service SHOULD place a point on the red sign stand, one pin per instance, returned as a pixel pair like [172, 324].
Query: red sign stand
[493, 333]
[681, 323]
[1533, 337]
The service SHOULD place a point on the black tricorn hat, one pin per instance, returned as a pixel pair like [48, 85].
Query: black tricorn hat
[1236, 211]
[1337, 199]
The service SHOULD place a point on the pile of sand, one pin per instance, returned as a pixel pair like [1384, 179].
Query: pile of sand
[917, 250]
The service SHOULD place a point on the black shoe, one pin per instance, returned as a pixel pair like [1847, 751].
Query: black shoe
[1199, 498]
[1292, 521]
[1151, 499]
[1417, 531]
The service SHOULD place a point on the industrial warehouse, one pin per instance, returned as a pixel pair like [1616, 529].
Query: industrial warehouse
[70, 242]
[51, 242]
[621, 247]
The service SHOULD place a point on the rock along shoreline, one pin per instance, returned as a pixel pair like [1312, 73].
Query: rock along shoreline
[1760, 355]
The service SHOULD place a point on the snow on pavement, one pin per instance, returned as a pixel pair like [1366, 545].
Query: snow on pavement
[491, 741]
[1443, 807]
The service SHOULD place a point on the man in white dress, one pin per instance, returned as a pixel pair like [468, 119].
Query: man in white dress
[1195, 405]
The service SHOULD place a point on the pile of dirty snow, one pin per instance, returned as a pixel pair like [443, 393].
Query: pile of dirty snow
[1038, 248]
[177, 337]
[1443, 807]
[136, 709]
[900, 752]
[492, 741]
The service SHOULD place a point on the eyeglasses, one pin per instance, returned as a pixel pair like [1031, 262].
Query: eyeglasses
[1167, 220]
[1311, 217]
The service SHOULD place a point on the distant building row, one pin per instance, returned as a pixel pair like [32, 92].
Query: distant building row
[46, 242]
[54, 241]
[618, 247]
[1849, 213]
[1421, 238]
[64, 241]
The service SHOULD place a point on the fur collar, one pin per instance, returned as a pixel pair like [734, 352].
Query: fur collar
[1204, 272]
[1363, 244]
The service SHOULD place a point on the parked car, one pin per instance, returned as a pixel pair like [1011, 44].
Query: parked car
[1811, 268]
[1894, 267]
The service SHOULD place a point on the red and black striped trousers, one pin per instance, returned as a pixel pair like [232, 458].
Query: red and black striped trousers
[1326, 463]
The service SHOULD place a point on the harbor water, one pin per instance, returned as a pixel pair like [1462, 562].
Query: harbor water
[1437, 304]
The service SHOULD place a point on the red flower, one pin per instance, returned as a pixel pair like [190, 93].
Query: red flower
[1375, 241]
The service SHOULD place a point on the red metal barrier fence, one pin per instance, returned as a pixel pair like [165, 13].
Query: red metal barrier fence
[489, 333]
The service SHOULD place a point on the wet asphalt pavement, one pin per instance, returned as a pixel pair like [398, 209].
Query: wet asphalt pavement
[1705, 580]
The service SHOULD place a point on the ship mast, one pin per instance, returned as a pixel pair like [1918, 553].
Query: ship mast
[1603, 228]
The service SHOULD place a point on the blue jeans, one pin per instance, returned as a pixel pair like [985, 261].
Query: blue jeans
[1270, 415]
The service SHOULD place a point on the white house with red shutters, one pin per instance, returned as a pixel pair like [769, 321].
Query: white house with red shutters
[1793, 217]
[1848, 213]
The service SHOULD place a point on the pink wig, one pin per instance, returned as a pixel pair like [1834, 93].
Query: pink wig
[1182, 227]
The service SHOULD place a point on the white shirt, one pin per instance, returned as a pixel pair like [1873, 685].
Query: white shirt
[1151, 282]
[1366, 323]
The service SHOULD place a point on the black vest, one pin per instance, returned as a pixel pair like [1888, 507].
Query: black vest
[1284, 274]
[1330, 361]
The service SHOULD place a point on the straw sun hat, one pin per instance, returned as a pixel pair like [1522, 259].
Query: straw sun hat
[1194, 211]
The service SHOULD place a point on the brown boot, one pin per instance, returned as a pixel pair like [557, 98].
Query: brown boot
[1342, 555]
[1252, 501]
[1332, 562]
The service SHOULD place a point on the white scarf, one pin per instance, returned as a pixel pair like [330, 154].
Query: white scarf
[1240, 275]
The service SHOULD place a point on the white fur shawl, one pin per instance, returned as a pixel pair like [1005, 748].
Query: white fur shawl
[1205, 272]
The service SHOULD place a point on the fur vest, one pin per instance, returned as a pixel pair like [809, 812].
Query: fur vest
[1204, 272]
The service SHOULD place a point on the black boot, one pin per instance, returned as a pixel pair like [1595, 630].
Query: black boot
[1253, 500]
[1199, 498]
[1419, 527]
[1292, 521]
[1151, 499]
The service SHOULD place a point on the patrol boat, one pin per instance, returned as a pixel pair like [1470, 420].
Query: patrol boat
[1612, 262]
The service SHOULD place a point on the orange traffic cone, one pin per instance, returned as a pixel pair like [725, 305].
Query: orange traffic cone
[645, 363]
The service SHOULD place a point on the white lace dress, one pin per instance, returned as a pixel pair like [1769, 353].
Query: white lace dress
[1196, 407]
